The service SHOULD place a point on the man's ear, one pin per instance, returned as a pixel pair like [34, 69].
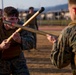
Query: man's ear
[74, 9]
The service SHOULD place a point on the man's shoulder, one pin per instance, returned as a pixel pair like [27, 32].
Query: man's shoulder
[69, 27]
[68, 30]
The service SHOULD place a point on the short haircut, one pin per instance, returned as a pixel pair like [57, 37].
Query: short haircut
[72, 2]
[31, 8]
[8, 11]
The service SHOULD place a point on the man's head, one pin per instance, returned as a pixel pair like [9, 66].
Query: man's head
[72, 9]
[11, 14]
[31, 10]
[11, 11]
[71, 2]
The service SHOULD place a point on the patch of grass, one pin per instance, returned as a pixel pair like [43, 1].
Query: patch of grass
[53, 22]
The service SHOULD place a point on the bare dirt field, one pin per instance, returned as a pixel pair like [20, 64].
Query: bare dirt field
[38, 61]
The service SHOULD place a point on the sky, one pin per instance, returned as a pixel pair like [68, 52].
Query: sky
[25, 4]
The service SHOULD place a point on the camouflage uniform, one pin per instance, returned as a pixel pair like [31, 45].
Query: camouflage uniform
[33, 24]
[13, 61]
[14, 66]
[63, 51]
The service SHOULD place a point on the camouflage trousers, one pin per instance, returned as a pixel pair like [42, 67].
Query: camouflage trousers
[14, 66]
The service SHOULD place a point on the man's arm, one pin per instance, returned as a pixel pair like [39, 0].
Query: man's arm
[27, 40]
[61, 53]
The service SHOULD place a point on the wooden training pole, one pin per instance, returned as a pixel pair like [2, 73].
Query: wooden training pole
[32, 30]
[26, 23]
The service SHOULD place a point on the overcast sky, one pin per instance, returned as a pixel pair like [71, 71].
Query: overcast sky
[25, 4]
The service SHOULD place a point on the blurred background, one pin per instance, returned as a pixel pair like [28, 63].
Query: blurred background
[56, 11]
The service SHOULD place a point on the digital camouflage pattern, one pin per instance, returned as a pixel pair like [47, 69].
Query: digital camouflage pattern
[16, 64]
[64, 48]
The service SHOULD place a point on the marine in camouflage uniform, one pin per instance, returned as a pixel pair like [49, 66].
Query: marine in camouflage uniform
[64, 48]
[12, 60]
[33, 24]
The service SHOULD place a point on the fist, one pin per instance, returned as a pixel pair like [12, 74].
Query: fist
[16, 37]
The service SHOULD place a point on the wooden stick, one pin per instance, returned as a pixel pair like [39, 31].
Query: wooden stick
[32, 30]
[27, 22]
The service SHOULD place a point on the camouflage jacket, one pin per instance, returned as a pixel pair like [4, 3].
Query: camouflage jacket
[64, 48]
[27, 39]
[27, 42]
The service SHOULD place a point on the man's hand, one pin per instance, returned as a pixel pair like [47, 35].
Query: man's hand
[4, 45]
[16, 37]
[52, 39]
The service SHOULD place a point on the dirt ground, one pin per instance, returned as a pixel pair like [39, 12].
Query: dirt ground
[38, 61]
